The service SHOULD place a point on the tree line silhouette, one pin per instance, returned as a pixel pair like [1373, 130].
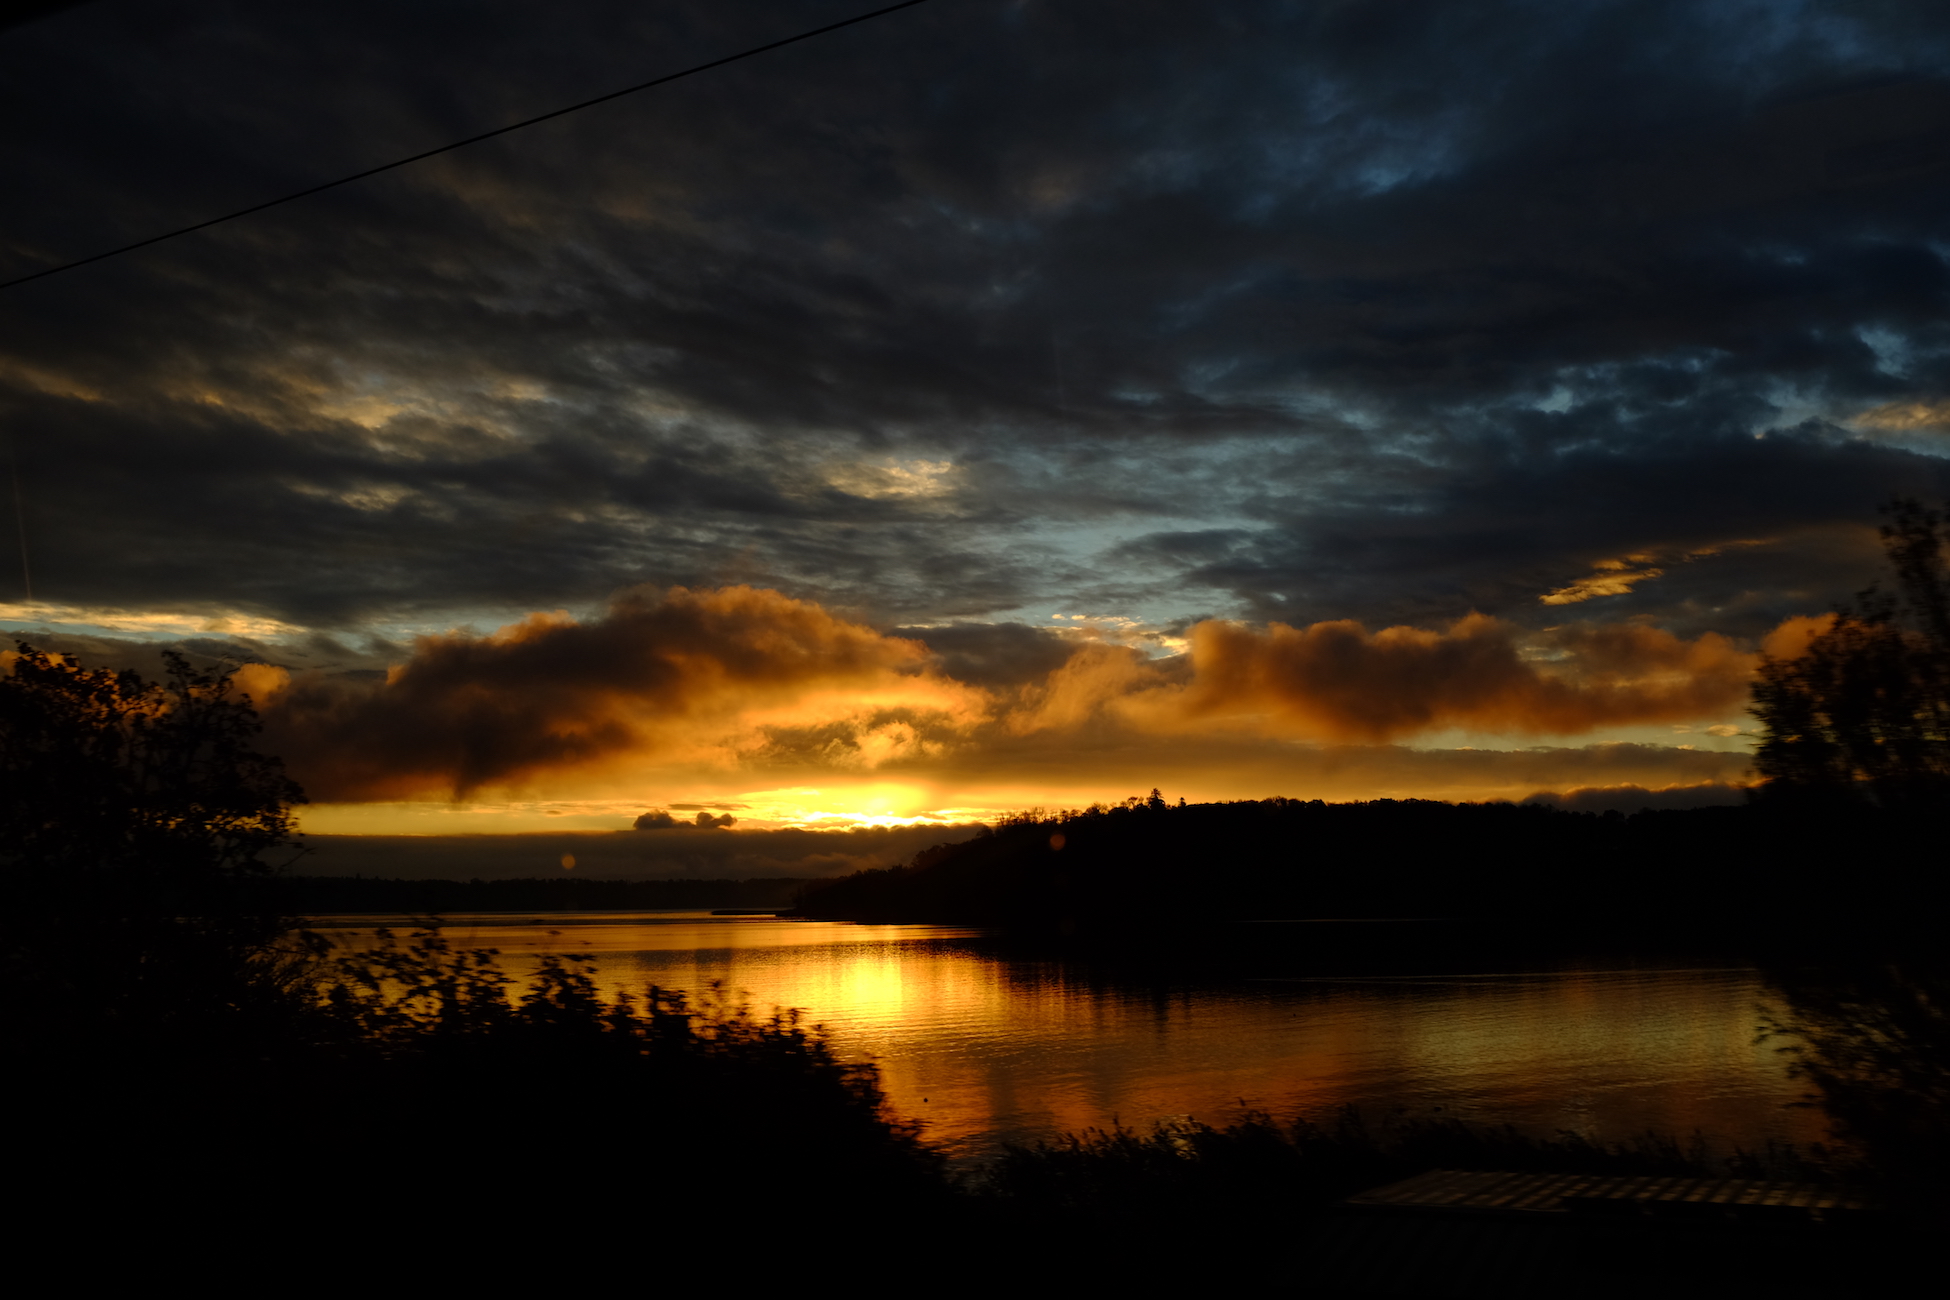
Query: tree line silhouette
[1140, 871]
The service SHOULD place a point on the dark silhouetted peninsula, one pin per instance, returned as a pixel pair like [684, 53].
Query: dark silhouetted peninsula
[1146, 863]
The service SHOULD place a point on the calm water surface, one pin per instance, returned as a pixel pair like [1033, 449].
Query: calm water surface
[988, 1049]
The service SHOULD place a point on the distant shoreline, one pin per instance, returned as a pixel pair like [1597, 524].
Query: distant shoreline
[395, 896]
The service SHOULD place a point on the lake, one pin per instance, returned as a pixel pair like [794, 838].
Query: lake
[988, 1047]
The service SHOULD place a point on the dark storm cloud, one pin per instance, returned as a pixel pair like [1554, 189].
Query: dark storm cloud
[548, 694]
[992, 655]
[1390, 311]
[1743, 531]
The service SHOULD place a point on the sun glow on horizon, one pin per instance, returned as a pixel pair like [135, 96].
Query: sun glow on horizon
[832, 808]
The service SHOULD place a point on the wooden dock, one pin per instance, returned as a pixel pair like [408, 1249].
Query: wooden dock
[1692, 1199]
[1457, 1233]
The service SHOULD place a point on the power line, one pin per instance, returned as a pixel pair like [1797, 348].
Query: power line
[472, 139]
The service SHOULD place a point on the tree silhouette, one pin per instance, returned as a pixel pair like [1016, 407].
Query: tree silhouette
[1857, 740]
[129, 788]
[1864, 714]
[134, 820]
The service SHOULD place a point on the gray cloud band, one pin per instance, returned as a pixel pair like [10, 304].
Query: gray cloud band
[1331, 311]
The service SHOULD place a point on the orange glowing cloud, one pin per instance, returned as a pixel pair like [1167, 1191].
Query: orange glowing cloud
[1792, 638]
[676, 685]
[1337, 681]
[1096, 677]
[697, 675]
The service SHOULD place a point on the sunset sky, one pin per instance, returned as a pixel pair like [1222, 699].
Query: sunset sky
[1002, 402]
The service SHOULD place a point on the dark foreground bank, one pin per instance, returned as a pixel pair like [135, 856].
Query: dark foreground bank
[407, 1100]
[301, 1101]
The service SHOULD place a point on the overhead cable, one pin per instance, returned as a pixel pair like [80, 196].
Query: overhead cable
[459, 144]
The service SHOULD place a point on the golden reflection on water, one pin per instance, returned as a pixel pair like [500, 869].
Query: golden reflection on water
[988, 1050]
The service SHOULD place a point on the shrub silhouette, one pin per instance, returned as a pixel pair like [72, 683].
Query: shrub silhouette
[661, 1109]
[423, 999]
